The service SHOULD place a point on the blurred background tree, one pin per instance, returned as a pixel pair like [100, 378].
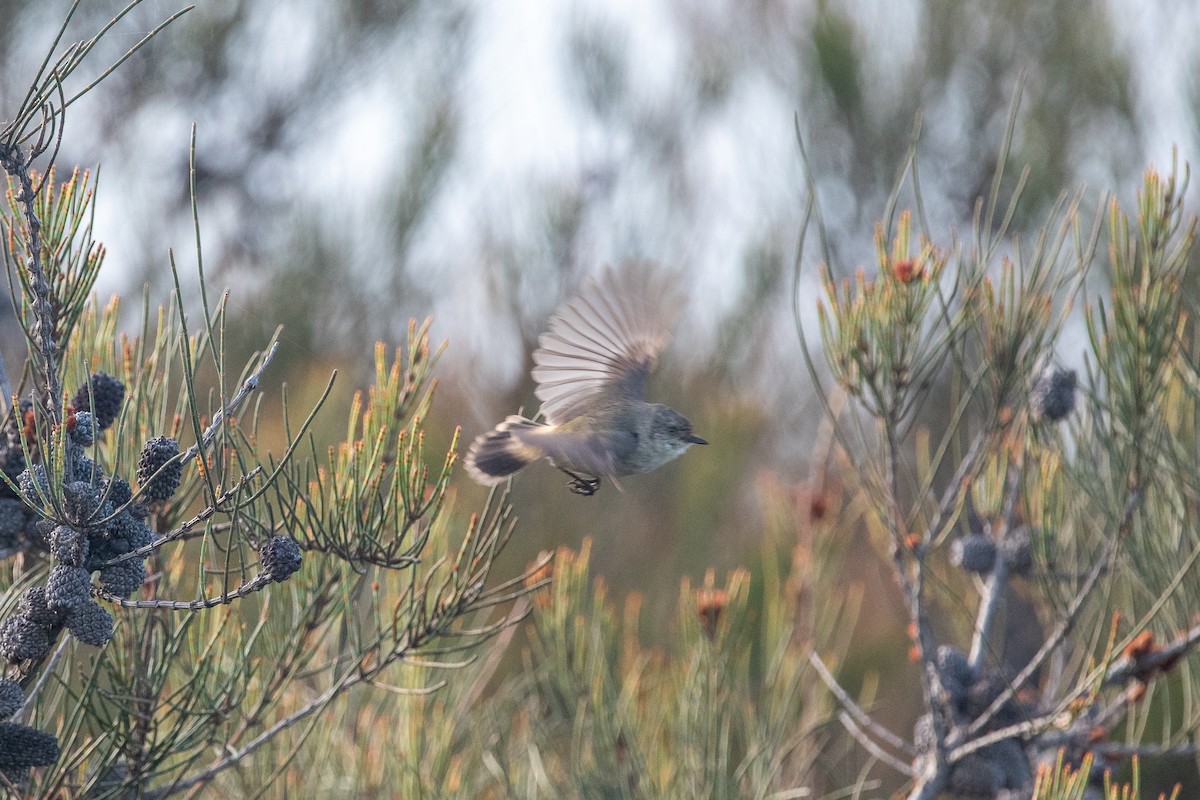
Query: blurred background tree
[361, 163]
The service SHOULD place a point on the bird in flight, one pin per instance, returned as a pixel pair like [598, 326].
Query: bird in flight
[591, 369]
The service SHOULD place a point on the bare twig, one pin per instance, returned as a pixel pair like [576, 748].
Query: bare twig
[869, 745]
[1023, 730]
[352, 677]
[854, 709]
[184, 530]
[1057, 636]
[255, 584]
[997, 581]
[1065, 624]
[248, 386]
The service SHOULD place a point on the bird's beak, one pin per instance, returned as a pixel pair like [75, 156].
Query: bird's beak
[694, 440]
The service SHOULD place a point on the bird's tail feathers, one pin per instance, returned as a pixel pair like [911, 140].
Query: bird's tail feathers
[502, 452]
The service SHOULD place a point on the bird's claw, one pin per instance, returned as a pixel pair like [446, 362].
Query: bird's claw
[581, 485]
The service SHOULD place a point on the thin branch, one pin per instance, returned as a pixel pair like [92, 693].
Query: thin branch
[255, 584]
[350, 679]
[1024, 730]
[869, 745]
[854, 709]
[128, 53]
[184, 529]
[353, 676]
[248, 386]
[997, 581]
[1067, 623]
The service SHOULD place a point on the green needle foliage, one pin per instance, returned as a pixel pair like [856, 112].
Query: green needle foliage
[180, 604]
[1064, 504]
[186, 611]
[73, 258]
[1064, 783]
[729, 706]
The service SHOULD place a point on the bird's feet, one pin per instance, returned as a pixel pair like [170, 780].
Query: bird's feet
[581, 485]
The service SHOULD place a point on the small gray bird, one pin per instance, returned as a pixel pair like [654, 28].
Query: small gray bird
[591, 370]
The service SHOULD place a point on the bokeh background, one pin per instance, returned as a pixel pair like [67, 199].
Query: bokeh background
[361, 163]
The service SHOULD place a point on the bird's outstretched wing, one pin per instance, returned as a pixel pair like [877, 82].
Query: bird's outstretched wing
[606, 339]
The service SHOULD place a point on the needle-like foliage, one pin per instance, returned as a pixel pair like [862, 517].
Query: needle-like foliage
[1063, 502]
[178, 599]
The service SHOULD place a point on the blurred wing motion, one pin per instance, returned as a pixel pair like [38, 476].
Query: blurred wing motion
[600, 347]
[606, 339]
